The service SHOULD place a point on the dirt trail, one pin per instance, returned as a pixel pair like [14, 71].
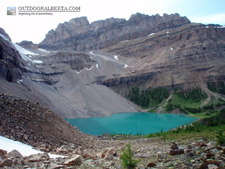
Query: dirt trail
[209, 93]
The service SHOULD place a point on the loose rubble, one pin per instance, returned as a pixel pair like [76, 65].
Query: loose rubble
[153, 154]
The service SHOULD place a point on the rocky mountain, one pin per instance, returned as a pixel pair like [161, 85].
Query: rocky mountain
[144, 52]
[61, 81]
[2, 31]
[11, 63]
[167, 67]
[153, 52]
[28, 45]
[80, 35]
[191, 54]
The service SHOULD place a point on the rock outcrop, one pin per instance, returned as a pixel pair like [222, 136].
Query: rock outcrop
[78, 34]
[11, 63]
[2, 31]
[28, 45]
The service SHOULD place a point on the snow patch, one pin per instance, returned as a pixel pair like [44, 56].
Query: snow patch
[125, 66]
[171, 49]
[151, 34]
[37, 61]
[207, 27]
[23, 51]
[5, 38]
[116, 57]
[26, 58]
[222, 26]
[24, 149]
[91, 52]
[43, 50]
[78, 72]
[19, 81]
[124, 41]
[96, 65]
[167, 32]
[89, 68]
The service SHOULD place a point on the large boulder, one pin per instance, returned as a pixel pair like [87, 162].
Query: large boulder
[176, 151]
[14, 154]
[6, 162]
[76, 160]
[63, 149]
[39, 157]
[2, 153]
[112, 152]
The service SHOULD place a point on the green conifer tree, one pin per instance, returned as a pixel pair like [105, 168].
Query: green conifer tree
[127, 158]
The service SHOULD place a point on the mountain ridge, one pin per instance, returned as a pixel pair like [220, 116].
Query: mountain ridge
[78, 34]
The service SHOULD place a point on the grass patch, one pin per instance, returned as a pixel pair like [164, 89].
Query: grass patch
[205, 128]
[190, 102]
[186, 101]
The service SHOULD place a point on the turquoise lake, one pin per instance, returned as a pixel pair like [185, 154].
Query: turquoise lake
[130, 122]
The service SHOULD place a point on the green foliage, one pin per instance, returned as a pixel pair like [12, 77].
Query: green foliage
[193, 110]
[220, 137]
[208, 123]
[169, 106]
[208, 107]
[149, 98]
[186, 101]
[134, 95]
[218, 87]
[127, 158]
[193, 96]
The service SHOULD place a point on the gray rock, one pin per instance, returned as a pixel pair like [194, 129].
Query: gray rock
[7, 162]
[76, 160]
[14, 154]
[212, 166]
[2, 153]
[100, 34]
[215, 150]
[176, 151]
[39, 157]
[55, 166]
[63, 149]
[203, 155]
[190, 155]
[112, 152]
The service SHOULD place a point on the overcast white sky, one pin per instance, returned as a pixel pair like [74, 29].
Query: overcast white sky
[34, 28]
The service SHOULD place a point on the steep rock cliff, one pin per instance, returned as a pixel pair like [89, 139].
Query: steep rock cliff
[11, 63]
[186, 56]
[79, 34]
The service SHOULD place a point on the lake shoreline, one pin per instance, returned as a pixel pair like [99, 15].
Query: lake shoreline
[133, 122]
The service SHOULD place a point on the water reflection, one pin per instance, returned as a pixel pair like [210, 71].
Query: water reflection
[131, 122]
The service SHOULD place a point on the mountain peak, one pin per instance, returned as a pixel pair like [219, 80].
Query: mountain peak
[78, 34]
